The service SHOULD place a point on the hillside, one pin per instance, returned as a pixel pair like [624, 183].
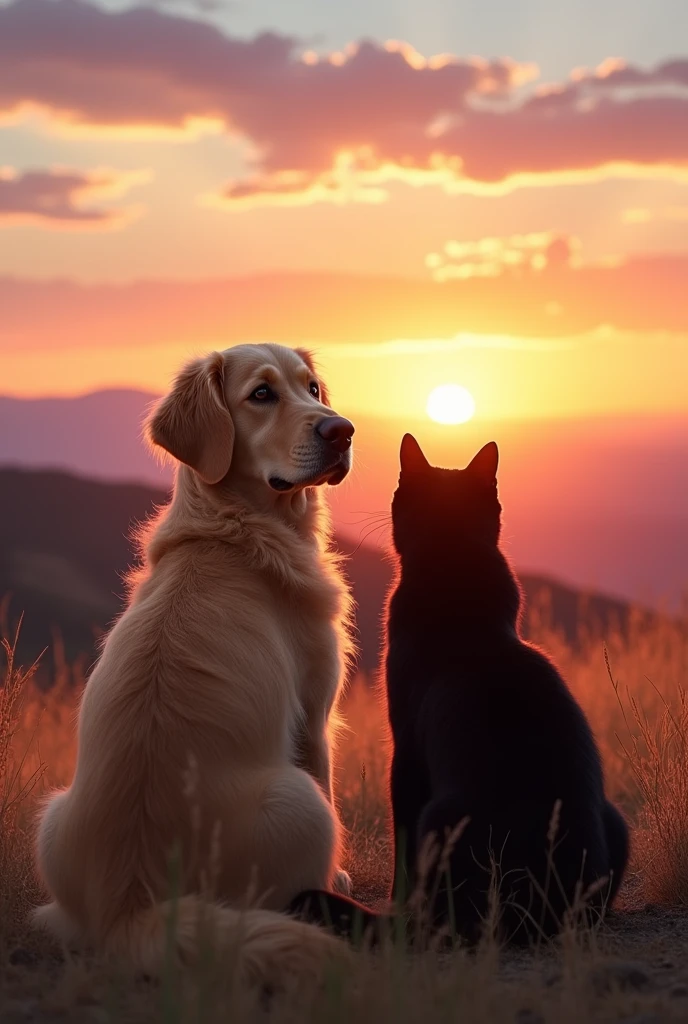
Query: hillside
[74, 434]
[64, 547]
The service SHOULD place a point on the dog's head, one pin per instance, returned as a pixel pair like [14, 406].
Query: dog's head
[256, 414]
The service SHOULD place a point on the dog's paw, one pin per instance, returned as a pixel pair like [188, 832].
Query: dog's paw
[342, 882]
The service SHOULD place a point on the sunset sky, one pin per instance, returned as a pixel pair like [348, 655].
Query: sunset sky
[493, 194]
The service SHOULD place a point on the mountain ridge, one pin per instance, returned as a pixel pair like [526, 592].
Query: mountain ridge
[65, 546]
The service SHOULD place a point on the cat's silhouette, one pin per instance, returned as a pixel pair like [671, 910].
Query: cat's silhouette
[484, 727]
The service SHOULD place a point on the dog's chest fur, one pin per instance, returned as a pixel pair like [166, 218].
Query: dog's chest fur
[315, 630]
[312, 605]
[264, 637]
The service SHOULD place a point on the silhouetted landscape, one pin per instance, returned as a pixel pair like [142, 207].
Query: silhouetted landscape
[65, 547]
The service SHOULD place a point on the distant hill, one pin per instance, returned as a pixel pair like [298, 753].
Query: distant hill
[64, 547]
[96, 435]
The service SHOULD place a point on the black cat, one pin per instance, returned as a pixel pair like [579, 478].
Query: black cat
[484, 727]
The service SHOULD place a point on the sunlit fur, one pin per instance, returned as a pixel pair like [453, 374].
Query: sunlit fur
[484, 727]
[207, 721]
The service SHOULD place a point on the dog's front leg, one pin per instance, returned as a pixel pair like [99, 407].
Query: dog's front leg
[315, 757]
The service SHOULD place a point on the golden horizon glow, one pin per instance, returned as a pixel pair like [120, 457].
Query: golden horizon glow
[450, 404]
[509, 378]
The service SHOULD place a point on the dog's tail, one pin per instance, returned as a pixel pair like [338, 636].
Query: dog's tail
[260, 946]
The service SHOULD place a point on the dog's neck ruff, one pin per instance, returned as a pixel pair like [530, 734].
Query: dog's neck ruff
[265, 541]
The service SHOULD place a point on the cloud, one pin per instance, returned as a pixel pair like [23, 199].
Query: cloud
[491, 257]
[294, 188]
[642, 215]
[558, 301]
[343, 124]
[132, 68]
[64, 198]
[202, 6]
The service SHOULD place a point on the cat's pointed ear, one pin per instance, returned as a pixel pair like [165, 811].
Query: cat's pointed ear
[484, 465]
[411, 456]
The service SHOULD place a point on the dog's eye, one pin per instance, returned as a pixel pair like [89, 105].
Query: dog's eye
[263, 394]
[314, 389]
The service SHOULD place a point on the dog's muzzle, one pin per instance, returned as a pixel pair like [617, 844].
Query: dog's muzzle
[334, 434]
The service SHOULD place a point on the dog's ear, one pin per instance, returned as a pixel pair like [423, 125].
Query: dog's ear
[484, 464]
[193, 422]
[310, 363]
[411, 456]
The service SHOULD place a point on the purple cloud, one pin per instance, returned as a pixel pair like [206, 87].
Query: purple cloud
[56, 198]
[369, 114]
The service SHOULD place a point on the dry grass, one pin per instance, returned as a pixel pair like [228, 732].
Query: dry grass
[656, 751]
[18, 781]
[642, 727]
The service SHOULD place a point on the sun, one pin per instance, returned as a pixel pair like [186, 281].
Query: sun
[450, 404]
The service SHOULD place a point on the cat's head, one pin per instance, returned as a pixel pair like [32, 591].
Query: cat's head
[436, 511]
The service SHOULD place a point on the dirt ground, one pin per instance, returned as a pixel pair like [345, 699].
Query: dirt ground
[634, 970]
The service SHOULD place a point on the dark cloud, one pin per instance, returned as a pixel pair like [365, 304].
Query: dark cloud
[374, 112]
[202, 6]
[147, 67]
[132, 67]
[61, 198]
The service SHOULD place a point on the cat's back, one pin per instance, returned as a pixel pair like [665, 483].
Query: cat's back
[499, 717]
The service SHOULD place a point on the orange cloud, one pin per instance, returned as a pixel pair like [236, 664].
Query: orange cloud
[560, 300]
[61, 198]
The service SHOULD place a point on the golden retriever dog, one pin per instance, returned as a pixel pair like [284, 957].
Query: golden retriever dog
[205, 726]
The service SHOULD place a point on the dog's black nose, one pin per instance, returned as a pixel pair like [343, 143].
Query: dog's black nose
[336, 431]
